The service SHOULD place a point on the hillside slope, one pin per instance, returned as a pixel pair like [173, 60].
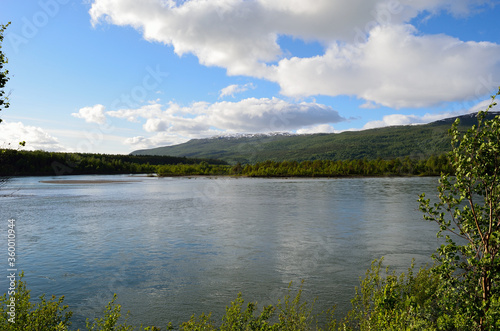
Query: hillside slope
[415, 141]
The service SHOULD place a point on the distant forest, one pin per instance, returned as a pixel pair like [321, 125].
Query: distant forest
[433, 166]
[39, 163]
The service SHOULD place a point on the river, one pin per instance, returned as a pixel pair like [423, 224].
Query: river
[173, 247]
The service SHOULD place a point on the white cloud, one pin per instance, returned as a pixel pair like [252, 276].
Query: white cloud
[177, 124]
[133, 115]
[395, 120]
[400, 119]
[36, 138]
[370, 52]
[483, 105]
[248, 115]
[395, 68]
[321, 128]
[160, 139]
[231, 90]
[369, 105]
[94, 114]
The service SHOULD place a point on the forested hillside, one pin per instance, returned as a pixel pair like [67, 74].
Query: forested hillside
[414, 141]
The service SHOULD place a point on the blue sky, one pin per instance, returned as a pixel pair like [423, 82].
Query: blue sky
[113, 76]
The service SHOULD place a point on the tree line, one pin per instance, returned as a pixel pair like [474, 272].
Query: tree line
[41, 163]
[432, 166]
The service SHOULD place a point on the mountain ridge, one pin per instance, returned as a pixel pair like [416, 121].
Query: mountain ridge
[414, 141]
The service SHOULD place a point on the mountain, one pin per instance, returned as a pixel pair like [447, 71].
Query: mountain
[415, 141]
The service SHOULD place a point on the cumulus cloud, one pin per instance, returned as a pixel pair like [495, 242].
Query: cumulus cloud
[370, 50]
[159, 139]
[94, 114]
[231, 90]
[36, 138]
[401, 119]
[132, 115]
[321, 128]
[248, 115]
[483, 105]
[396, 67]
[398, 119]
[172, 123]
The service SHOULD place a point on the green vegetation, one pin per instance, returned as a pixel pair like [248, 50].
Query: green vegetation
[385, 301]
[459, 292]
[40, 163]
[199, 169]
[432, 166]
[414, 141]
[289, 314]
[469, 208]
[25, 315]
[4, 101]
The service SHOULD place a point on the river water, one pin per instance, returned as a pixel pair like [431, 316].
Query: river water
[173, 247]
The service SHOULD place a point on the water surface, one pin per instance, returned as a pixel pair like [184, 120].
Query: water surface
[171, 247]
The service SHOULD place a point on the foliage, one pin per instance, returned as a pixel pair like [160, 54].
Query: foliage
[3, 80]
[234, 319]
[202, 168]
[385, 301]
[40, 163]
[52, 315]
[109, 321]
[4, 102]
[468, 211]
[202, 323]
[292, 314]
[434, 165]
[44, 315]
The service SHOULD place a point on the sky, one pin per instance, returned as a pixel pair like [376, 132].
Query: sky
[114, 76]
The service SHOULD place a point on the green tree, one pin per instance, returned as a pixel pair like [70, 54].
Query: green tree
[468, 212]
[4, 78]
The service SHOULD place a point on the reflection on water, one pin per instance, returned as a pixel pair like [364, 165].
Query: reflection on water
[172, 247]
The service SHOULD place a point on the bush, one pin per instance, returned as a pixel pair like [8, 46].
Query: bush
[44, 315]
[390, 302]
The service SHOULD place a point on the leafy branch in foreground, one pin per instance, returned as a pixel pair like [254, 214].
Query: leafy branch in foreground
[4, 101]
[468, 211]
